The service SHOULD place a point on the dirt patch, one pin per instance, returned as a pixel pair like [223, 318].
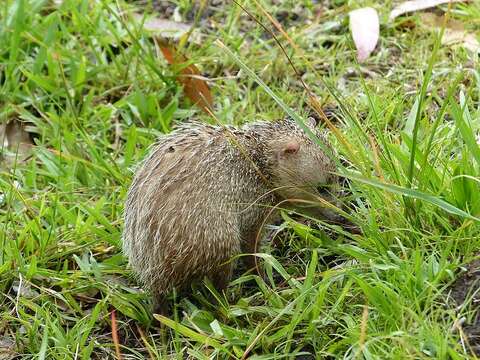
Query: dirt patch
[212, 15]
[466, 291]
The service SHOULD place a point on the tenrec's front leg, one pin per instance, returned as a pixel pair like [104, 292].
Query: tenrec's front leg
[221, 276]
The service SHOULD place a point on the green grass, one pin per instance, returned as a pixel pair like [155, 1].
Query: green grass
[94, 93]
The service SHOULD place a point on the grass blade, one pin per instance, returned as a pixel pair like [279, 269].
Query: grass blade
[412, 193]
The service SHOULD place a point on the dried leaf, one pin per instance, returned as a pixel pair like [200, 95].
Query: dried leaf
[415, 5]
[455, 32]
[365, 28]
[24, 289]
[168, 29]
[432, 20]
[468, 41]
[194, 86]
[163, 27]
[15, 139]
[8, 348]
[167, 32]
[14, 134]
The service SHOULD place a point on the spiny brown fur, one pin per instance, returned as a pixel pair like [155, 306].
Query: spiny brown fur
[203, 192]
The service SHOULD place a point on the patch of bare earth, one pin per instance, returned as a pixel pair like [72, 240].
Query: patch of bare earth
[466, 291]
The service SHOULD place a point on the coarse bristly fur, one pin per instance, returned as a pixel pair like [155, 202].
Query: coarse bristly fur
[204, 192]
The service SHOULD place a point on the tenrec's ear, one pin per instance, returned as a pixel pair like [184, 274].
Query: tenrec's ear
[291, 147]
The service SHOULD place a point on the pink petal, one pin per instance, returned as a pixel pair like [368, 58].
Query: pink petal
[365, 28]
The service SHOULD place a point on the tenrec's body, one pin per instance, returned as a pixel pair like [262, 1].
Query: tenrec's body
[203, 193]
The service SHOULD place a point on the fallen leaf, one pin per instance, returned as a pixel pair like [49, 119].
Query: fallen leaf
[455, 32]
[167, 32]
[365, 28]
[468, 41]
[14, 134]
[168, 29]
[8, 348]
[15, 139]
[194, 86]
[432, 20]
[163, 27]
[415, 5]
[24, 289]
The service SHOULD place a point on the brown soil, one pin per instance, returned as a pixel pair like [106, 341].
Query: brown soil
[286, 16]
[466, 290]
